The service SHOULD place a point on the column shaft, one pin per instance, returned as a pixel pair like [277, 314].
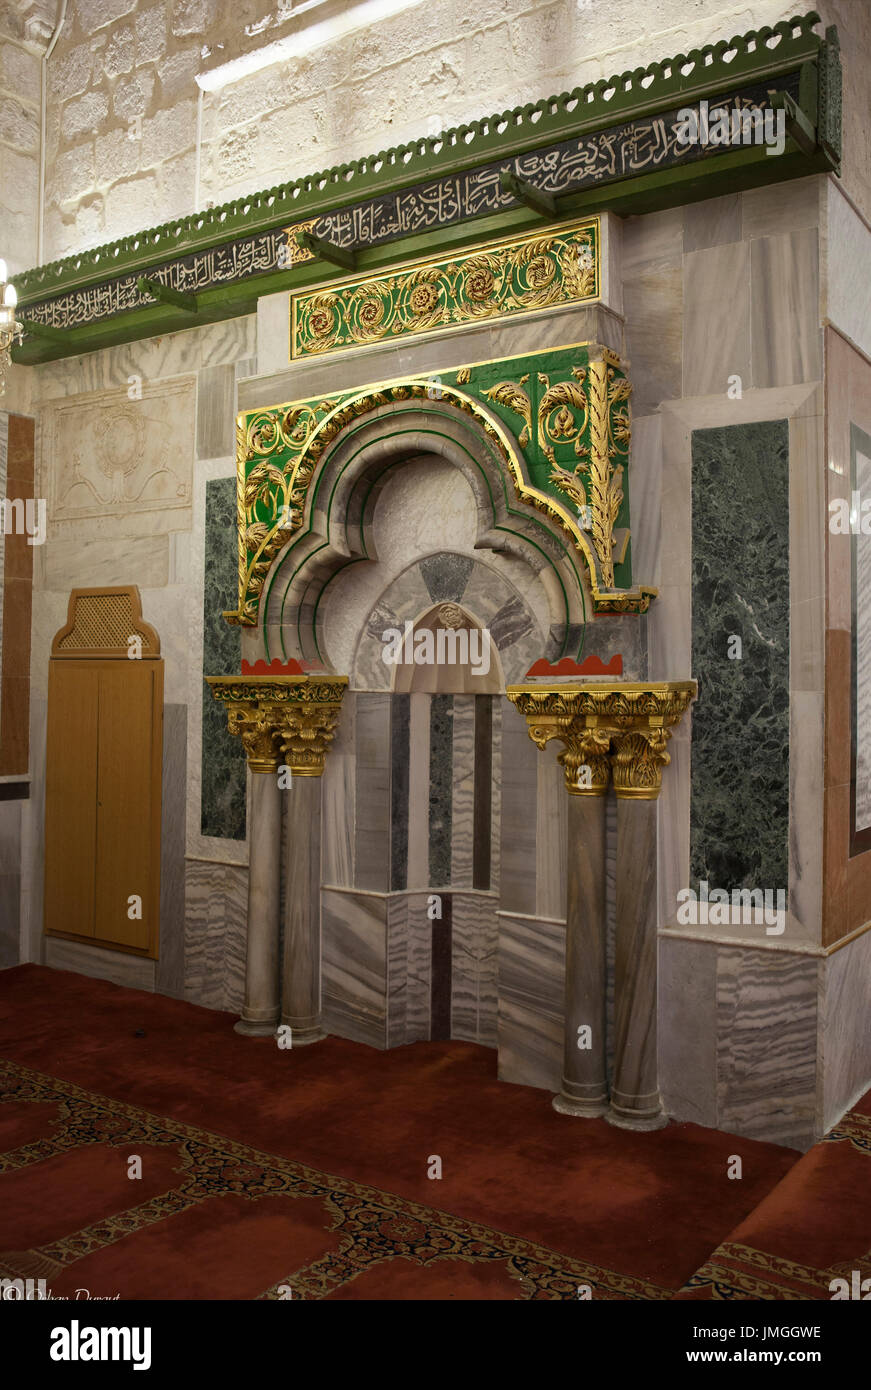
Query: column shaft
[301, 1008]
[635, 1098]
[584, 1089]
[261, 1008]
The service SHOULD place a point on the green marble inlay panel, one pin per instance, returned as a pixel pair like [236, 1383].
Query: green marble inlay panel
[740, 584]
[223, 771]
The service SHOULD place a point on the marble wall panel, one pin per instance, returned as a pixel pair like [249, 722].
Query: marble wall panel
[397, 969]
[517, 883]
[652, 299]
[418, 992]
[216, 934]
[716, 318]
[150, 359]
[10, 882]
[645, 497]
[687, 1007]
[339, 799]
[848, 269]
[766, 1045]
[441, 767]
[171, 962]
[766, 211]
[84, 959]
[66, 564]
[740, 763]
[216, 403]
[463, 791]
[712, 222]
[497, 707]
[372, 815]
[786, 341]
[223, 759]
[531, 984]
[354, 965]
[845, 1037]
[473, 967]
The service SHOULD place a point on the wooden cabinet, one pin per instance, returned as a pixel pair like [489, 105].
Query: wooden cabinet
[103, 775]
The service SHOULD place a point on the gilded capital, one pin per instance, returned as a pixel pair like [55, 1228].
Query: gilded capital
[292, 718]
[638, 761]
[247, 721]
[584, 758]
[618, 729]
[305, 734]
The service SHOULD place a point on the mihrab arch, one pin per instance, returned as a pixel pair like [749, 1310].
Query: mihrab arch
[393, 859]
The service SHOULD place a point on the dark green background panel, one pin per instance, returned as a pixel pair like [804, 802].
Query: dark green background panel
[740, 586]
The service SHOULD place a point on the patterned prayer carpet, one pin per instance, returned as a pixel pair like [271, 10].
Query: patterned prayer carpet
[266, 1172]
[812, 1229]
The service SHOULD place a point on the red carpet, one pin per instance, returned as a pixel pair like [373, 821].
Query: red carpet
[814, 1228]
[308, 1168]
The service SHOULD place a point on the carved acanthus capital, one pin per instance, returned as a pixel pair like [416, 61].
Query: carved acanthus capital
[289, 717]
[247, 721]
[620, 728]
[584, 758]
[305, 734]
[638, 761]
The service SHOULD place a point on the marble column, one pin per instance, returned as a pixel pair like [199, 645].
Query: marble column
[284, 722]
[590, 718]
[637, 766]
[305, 735]
[260, 1009]
[301, 965]
[584, 1086]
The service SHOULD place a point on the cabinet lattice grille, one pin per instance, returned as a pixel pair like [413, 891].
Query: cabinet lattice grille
[103, 621]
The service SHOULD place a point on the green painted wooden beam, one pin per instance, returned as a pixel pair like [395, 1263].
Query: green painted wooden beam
[641, 92]
[730, 172]
[327, 251]
[545, 204]
[164, 294]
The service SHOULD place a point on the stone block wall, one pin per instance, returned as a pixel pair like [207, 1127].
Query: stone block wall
[127, 145]
[20, 95]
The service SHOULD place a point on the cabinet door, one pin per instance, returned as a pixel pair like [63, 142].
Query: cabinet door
[71, 797]
[128, 804]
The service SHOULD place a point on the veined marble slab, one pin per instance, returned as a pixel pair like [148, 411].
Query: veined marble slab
[216, 934]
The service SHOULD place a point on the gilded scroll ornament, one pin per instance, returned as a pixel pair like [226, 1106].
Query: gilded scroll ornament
[510, 277]
[573, 440]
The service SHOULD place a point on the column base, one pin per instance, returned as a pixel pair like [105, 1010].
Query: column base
[643, 1117]
[303, 1036]
[590, 1109]
[255, 1028]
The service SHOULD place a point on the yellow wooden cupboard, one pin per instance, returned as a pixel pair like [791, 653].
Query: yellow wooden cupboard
[103, 774]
